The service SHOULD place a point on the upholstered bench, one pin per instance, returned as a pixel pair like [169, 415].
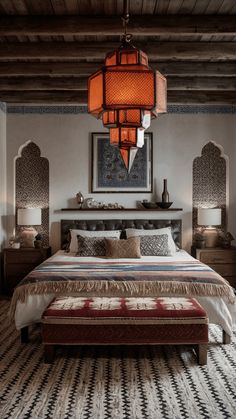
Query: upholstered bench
[125, 321]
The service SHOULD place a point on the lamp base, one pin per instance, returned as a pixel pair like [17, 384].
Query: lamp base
[211, 237]
[27, 237]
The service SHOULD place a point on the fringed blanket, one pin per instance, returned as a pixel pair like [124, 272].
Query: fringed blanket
[114, 278]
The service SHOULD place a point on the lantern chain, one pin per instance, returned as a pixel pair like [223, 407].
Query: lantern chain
[126, 38]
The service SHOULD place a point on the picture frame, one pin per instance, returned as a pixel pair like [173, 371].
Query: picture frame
[108, 172]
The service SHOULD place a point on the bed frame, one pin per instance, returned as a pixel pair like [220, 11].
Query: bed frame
[117, 224]
[100, 225]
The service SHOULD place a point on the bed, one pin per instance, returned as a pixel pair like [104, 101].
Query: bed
[176, 275]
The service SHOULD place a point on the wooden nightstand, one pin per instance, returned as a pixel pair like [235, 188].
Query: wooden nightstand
[17, 263]
[222, 261]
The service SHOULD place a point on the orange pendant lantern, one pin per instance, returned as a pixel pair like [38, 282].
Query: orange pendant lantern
[126, 93]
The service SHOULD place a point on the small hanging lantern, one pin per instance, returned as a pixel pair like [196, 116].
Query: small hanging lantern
[126, 93]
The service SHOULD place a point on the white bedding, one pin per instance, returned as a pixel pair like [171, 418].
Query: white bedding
[219, 310]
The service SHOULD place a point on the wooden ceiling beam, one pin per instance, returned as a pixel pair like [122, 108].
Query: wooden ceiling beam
[53, 97]
[43, 83]
[173, 51]
[80, 83]
[112, 25]
[55, 69]
[201, 97]
[80, 97]
[200, 83]
[52, 69]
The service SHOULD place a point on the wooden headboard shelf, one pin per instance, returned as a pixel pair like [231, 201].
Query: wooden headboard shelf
[121, 209]
[100, 225]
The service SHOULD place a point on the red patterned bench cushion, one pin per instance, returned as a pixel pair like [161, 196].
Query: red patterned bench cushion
[77, 320]
[100, 309]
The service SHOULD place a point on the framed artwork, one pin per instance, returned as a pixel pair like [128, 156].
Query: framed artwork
[109, 173]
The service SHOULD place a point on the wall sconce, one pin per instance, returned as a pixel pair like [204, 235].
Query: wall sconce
[209, 218]
[27, 218]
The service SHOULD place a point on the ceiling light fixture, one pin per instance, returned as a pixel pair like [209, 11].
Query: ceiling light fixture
[126, 93]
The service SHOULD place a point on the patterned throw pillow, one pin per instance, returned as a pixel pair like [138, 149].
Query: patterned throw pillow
[73, 246]
[154, 245]
[118, 249]
[133, 232]
[91, 246]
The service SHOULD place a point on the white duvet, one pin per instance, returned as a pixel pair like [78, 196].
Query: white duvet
[219, 311]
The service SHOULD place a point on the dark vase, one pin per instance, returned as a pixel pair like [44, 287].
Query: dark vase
[165, 193]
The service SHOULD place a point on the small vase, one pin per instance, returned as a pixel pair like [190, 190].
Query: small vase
[165, 193]
[80, 199]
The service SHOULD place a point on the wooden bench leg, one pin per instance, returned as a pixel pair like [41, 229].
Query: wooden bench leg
[24, 334]
[49, 351]
[226, 337]
[202, 353]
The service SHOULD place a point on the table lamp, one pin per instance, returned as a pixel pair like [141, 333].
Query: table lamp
[209, 218]
[27, 218]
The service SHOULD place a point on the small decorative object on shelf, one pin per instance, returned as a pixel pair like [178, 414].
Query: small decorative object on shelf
[225, 239]
[80, 199]
[165, 194]
[90, 203]
[148, 204]
[113, 206]
[164, 205]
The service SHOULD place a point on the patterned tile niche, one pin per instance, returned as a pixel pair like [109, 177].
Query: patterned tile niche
[209, 182]
[32, 185]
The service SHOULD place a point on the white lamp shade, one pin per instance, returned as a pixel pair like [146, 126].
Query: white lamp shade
[29, 216]
[209, 216]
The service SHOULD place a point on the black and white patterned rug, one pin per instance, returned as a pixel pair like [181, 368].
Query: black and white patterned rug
[114, 382]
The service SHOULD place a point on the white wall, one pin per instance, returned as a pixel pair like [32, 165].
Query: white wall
[65, 141]
[2, 177]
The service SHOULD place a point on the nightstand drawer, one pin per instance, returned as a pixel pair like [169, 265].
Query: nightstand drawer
[13, 269]
[13, 281]
[218, 257]
[34, 256]
[19, 262]
[224, 269]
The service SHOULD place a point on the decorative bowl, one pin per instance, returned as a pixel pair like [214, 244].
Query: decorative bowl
[164, 205]
[149, 205]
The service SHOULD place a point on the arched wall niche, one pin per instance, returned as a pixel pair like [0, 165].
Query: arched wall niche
[210, 181]
[32, 184]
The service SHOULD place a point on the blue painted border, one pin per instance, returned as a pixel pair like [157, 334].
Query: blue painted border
[3, 107]
[74, 110]
[39, 109]
[208, 109]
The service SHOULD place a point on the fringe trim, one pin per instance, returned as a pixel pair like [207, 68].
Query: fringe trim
[121, 289]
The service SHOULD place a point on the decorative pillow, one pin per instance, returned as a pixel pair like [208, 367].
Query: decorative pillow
[88, 233]
[134, 232]
[154, 245]
[91, 246]
[118, 249]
